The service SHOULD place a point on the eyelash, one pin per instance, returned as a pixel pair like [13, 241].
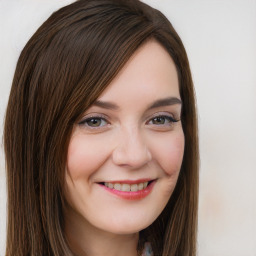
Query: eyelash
[170, 121]
[86, 120]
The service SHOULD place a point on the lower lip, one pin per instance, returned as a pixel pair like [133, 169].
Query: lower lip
[136, 195]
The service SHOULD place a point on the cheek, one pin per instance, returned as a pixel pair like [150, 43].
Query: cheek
[85, 156]
[169, 153]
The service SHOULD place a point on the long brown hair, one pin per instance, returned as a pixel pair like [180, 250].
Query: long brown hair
[62, 70]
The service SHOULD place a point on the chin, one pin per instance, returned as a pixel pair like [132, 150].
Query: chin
[128, 225]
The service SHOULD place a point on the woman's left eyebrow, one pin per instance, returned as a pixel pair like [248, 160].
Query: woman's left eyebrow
[165, 102]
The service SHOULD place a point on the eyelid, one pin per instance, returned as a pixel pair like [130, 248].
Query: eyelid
[164, 114]
[104, 117]
[91, 116]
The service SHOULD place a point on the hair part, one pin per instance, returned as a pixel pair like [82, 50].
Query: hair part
[62, 70]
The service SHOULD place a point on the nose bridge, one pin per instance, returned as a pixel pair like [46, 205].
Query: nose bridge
[132, 149]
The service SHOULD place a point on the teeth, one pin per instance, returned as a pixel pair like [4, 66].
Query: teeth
[117, 186]
[145, 184]
[134, 187]
[140, 186]
[126, 187]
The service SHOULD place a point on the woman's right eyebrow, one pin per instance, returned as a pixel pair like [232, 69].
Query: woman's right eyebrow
[106, 105]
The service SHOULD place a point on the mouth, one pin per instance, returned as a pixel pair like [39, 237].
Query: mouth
[129, 189]
[122, 186]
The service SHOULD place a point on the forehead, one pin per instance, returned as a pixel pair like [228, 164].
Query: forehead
[150, 74]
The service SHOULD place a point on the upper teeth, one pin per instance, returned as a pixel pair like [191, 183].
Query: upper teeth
[126, 187]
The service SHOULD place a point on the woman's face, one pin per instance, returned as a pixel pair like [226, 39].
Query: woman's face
[125, 154]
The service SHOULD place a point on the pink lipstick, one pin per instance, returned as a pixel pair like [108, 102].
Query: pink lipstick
[129, 189]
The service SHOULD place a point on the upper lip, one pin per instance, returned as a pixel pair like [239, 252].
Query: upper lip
[128, 181]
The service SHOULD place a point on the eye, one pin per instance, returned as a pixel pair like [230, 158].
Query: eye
[94, 122]
[162, 120]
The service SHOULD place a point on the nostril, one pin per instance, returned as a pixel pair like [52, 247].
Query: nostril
[131, 156]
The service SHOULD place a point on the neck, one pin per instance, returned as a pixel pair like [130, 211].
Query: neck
[87, 240]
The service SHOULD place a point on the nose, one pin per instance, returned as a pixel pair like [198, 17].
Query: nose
[131, 150]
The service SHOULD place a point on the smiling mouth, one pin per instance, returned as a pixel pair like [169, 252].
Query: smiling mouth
[127, 187]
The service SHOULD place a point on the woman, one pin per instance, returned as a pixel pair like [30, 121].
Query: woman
[101, 136]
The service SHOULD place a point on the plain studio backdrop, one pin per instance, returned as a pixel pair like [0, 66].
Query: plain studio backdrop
[220, 39]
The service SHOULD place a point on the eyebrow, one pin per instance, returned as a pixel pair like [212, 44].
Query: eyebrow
[165, 102]
[105, 104]
[158, 103]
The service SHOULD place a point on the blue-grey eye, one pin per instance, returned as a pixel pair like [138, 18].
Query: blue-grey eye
[162, 120]
[94, 122]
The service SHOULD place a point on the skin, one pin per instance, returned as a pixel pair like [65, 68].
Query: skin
[125, 141]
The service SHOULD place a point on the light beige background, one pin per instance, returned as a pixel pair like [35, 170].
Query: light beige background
[220, 38]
